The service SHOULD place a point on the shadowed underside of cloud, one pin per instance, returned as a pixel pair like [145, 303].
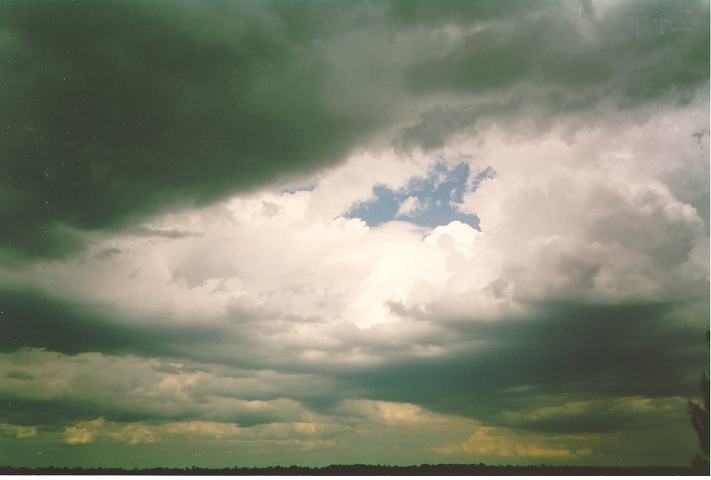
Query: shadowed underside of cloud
[138, 106]
[115, 110]
[32, 319]
[575, 351]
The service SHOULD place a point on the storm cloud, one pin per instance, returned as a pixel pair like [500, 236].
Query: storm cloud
[116, 110]
[320, 232]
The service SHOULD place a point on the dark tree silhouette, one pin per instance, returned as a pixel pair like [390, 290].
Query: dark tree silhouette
[699, 414]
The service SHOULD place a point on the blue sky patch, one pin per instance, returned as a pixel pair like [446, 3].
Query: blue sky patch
[426, 201]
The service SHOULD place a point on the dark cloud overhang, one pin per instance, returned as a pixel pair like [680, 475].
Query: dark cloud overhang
[601, 417]
[551, 61]
[32, 319]
[546, 46]
[565, 350]
[116, 110]
[55, 413]
[419, 12]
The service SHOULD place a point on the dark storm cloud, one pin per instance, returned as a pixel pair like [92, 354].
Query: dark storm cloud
[561, 47]
[576, 352]
[32, 319]
[601, 416]
[115, 110]
[565, 350]
[58, 412]
[55, 413]
[564, 57]
[151, 232]
[418, 12]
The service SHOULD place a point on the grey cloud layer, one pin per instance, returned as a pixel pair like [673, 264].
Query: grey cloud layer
[585, 351]
[577, 351]
[32, 319]
[115, 110]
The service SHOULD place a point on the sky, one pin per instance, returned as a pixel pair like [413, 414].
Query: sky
[331, 232]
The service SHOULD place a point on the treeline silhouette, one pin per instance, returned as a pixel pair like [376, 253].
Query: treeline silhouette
[359, 469]
[699, 416]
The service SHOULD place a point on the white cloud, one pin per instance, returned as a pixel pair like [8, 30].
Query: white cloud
[156, 388]
[588, 216]
[409, 207]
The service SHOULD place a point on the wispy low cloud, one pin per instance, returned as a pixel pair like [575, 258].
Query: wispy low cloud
[354, 425]
[598, 415]
[18, 431]
[90, 431]
[502, 443]
[276, 434]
